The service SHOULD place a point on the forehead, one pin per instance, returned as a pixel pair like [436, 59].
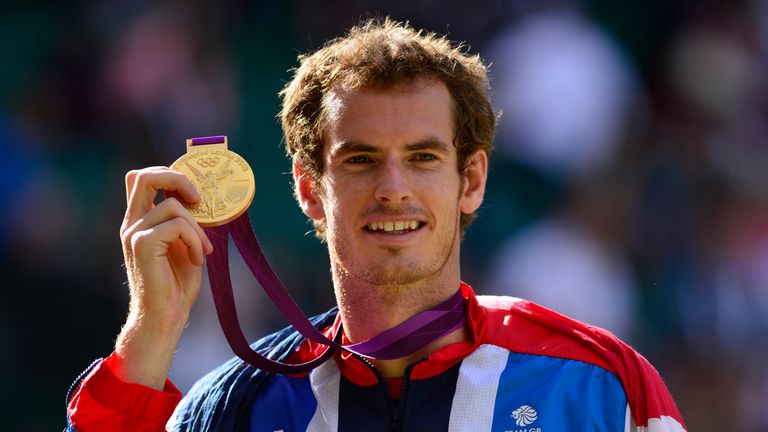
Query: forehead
[403, 111]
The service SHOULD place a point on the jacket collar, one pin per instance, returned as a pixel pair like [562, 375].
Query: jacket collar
[360, 372]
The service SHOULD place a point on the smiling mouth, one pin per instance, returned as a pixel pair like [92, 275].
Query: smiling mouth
[394, 226]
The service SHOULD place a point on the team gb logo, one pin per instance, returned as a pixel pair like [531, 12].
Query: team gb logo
[524, 415]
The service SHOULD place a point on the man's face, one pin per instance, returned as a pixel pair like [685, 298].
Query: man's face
[391, 194]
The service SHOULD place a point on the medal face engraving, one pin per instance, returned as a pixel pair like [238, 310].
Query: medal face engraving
[223, 179]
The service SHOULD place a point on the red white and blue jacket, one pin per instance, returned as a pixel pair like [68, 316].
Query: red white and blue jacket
[524, 369]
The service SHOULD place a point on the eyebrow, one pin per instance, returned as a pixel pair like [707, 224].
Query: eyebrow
[347, 147]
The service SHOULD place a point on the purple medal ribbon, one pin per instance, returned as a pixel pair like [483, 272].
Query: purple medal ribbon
[399, 341]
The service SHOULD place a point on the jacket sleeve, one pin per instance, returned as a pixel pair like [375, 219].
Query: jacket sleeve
[103, 402]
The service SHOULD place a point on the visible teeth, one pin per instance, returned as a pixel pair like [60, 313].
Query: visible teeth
[389, 226]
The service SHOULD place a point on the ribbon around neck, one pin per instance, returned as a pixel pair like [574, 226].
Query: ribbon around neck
[399, 341]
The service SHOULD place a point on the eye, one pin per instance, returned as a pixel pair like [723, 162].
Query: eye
[359, 159]
[423, 157]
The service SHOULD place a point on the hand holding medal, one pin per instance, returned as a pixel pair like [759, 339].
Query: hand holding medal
[226, 186]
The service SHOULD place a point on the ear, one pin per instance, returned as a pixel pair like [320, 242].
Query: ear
[475, 176]
[306, 194]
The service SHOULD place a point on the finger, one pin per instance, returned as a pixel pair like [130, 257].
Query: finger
[170, 209]
[148, 182]
[130, 179]
[192, 240]
[164, 235]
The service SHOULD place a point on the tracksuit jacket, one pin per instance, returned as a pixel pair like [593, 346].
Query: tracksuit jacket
[524, 368]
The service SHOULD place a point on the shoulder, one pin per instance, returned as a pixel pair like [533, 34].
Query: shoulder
[222, 398]
[525, 327]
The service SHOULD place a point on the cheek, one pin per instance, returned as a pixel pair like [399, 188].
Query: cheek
[452, 192]
[337, 212]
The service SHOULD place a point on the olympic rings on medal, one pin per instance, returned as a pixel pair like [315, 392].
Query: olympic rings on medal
[208, 162]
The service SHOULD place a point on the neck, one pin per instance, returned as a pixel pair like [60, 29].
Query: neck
[368, 310]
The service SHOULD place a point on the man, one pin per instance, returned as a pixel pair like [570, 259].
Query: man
[389, 131]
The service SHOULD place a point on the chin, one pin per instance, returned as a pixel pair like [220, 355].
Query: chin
[395, 273]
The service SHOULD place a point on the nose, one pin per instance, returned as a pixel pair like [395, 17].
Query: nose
[392, 184]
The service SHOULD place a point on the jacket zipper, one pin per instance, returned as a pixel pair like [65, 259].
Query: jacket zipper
[395, 409]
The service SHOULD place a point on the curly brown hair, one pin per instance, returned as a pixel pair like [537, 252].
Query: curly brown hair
[381, 54]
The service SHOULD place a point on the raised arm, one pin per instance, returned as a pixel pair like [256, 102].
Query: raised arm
[164, 249]
[164, 252]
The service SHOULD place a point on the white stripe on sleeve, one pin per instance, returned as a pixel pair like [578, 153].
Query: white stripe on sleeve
[476, 388]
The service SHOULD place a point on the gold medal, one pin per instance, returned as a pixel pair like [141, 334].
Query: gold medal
[223, 178]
